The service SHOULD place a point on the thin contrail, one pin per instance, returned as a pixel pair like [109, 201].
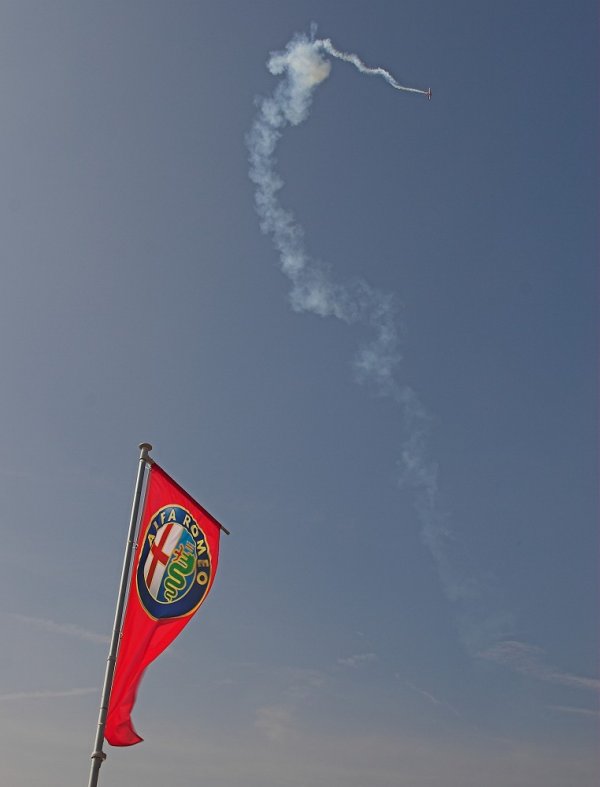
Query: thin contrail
[68, 629]
[45, 694]
[327, 46]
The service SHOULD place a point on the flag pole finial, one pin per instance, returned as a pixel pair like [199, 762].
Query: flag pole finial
[145, 448]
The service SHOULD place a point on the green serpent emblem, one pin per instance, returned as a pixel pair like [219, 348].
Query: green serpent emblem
[182, 565]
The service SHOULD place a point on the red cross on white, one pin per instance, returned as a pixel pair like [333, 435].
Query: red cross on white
[167, 538]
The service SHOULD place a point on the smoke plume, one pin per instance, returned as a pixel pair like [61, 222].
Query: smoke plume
[302, 66]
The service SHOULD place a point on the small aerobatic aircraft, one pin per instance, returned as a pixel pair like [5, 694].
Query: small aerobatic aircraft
[429, 94]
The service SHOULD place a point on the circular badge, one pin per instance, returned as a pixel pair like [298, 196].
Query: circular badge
[174, 568]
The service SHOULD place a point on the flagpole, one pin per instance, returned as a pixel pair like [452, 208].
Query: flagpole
[98, 756]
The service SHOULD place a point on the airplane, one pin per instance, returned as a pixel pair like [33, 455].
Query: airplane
[428, 94]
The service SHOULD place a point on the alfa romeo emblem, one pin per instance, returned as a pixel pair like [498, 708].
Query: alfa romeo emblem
[174, 568]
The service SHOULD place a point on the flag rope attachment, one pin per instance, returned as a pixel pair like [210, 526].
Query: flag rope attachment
[98, 755]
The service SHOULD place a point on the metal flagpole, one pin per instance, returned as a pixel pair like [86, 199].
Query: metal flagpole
[98, 756]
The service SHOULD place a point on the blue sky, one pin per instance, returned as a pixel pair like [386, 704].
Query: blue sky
[344, 643]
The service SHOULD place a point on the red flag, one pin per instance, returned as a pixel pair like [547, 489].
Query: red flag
[174, 568]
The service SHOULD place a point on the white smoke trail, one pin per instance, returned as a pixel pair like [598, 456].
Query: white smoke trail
[328, 47]
[313, 290]
[302, 68]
